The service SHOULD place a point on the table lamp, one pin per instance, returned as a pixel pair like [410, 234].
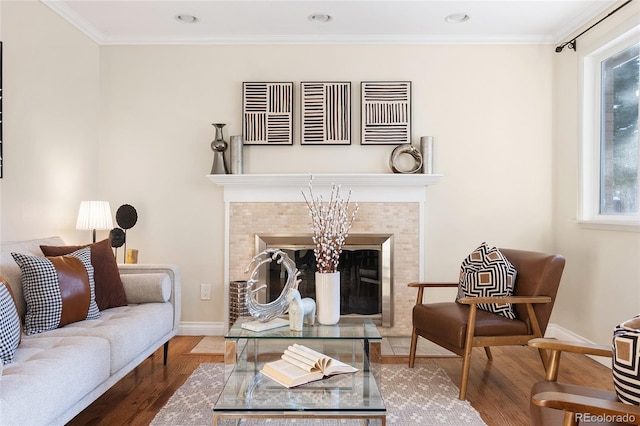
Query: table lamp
[94, 215]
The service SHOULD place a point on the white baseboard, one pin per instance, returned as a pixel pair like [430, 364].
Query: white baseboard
[188, 328]
[558, 332]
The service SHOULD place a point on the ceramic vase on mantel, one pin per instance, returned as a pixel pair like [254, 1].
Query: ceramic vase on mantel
[328, 297]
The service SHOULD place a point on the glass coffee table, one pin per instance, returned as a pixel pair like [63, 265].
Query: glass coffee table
[248, 394]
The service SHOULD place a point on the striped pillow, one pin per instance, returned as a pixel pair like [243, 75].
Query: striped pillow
[58, 290]
[9, 324]
[626, 361]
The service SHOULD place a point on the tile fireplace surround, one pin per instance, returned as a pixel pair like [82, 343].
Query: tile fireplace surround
[273, 204]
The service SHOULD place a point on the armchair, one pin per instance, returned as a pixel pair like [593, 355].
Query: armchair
[461, 326]
[554, 403]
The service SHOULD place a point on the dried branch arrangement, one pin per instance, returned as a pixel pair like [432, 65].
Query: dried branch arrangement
[330, 222]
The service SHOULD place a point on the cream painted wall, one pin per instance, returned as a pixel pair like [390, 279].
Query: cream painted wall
[51, 103]
[489, 108]
[601, 283]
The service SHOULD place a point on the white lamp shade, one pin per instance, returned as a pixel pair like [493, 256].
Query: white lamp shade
[94, 215]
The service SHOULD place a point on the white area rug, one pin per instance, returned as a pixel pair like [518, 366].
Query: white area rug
[423, 395]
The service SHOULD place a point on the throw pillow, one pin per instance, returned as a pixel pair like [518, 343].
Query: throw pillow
[57, 290]
[9, 324]
[626, 361]
[109, 289]
[486, 272]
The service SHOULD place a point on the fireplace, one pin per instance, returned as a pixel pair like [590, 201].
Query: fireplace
[366, 271]
[272, 204]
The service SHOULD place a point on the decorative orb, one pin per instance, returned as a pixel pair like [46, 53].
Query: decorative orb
[126, 216]
[117, 237]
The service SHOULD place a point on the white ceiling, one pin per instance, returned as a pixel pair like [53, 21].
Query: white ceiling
[354, 21]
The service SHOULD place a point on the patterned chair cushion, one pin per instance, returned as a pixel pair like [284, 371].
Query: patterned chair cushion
[9, 324]
[626, 361]
[487, 273]
[57, 290]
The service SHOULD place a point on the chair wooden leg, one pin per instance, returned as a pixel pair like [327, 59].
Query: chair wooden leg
[466, 367]
[487, 350]
[468, 348]
[412, 349]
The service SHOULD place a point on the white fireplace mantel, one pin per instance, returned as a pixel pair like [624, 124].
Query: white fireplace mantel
[287, 187]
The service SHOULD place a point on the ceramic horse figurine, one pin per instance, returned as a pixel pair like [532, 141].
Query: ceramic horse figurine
[301, 311]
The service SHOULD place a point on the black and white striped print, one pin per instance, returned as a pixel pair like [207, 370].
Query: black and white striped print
[267, 113]
[326, 113]
[386, 112]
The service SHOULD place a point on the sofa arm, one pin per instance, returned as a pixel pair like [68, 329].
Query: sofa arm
[137, 273]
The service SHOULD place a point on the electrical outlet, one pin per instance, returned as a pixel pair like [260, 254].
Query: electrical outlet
[205, 291]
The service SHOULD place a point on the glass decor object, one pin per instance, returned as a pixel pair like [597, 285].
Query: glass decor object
[219, 146]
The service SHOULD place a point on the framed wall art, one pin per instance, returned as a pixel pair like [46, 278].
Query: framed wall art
[386, 112]
[267, 113]
[325, 113]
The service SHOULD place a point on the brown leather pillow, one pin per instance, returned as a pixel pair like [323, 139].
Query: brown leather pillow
[109, 289]
[58, 290]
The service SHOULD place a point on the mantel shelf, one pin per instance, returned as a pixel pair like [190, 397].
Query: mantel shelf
[347, 179]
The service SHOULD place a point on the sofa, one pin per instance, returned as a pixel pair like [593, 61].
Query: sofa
[55, 374]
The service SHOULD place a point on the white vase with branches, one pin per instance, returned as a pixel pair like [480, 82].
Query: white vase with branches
[330, 222]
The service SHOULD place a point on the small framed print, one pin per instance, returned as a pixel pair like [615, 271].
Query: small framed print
[386, 112]
[267, 113]
[325, 113]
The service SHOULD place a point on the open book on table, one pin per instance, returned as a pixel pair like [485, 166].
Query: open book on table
[300, 364]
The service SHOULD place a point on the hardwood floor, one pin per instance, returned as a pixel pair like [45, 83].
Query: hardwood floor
[499, 390]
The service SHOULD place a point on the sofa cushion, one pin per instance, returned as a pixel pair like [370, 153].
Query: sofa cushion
[487, 273]
[58, 290]
[49, 375]
[130, 330]
[9, 323]
[109, 289]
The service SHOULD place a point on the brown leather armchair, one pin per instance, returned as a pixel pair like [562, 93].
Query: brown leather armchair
[459, 327]
[554, 403]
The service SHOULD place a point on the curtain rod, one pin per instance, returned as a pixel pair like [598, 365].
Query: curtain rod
[572, 43]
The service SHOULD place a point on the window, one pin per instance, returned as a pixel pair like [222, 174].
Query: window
[611, 194]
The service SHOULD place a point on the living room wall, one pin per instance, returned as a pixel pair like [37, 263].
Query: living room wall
[50, 109]
[487, 106]
[601, 282]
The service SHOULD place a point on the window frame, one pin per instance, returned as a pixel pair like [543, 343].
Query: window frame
[589, 206]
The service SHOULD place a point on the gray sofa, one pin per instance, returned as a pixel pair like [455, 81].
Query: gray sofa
[58, 373]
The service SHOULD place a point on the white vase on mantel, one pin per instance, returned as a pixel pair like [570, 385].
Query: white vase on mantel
[328, 297]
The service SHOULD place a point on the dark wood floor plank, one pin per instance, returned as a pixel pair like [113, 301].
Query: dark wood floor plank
[499, 390]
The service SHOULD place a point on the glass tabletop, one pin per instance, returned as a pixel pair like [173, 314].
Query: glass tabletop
[347, 328]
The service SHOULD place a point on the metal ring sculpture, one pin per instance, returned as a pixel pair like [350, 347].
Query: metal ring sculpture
[269, 311]
[405, 149]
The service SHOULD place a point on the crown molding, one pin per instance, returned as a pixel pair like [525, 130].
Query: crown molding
[76, 20]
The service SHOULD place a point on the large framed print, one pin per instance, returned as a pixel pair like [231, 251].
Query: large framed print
[267, 113]
[325, 113]
[386, 112]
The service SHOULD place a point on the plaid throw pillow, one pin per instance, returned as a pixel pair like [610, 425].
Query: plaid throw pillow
[9, 324]
[57, 290]
[487, 273]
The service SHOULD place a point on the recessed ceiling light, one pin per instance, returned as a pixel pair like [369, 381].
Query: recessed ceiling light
[457, 18]
[187, 19]
[320, 18]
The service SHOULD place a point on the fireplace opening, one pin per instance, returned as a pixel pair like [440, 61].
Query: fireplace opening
[365, 273]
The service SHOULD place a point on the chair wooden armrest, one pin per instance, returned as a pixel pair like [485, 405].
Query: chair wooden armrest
[583, 406]
[566, 346]
[422, 286]
[506, 299]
